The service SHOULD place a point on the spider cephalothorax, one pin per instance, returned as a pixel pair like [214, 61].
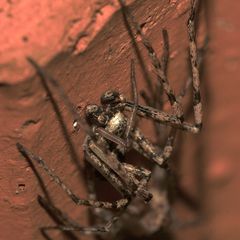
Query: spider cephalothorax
[107, 116]
[112, 97]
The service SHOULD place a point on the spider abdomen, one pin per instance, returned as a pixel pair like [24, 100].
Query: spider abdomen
[117, 124]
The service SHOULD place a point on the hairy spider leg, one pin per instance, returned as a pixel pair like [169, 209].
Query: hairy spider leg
[132, 120]
[69, 224]
[161, 76]
[197, 105]
[172, 120]
[147, 149]
[120, 204]
[78, 201]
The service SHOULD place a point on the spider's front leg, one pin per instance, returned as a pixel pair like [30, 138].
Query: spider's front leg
[162, 117]
[126, 175]
[159, 67]
[147, 149]
[176, 120]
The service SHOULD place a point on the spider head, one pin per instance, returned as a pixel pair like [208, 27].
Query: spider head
[111, 97]
[96, 115]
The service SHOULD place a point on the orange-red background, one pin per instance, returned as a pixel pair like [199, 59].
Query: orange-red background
[43, 31]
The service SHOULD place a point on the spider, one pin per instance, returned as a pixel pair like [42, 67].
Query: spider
[102, 145]
[110, 133]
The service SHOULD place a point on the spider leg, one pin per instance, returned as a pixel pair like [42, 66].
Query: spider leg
[119, 204]
[96, 213]
[78, 122]
[197, 105]
[70, 225]
[157, 101]
[112, 162]
[102, 214]
[176, 119]
[145, 147]
[161, 76]
[168, 119]
[162, 117]
[200, 53]
[126, 141]
[107, 173]
[187, 84]
[141, 172]
[47, 78]
[85, 230]
[132, 120]
[158, 94]
[123, 176]
[164, 61]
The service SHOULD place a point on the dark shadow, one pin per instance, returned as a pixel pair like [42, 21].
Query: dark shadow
[58, 221]
[44, 77]
[136, 48]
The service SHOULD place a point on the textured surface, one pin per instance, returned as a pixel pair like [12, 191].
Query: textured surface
[52, 33]
[43, 29]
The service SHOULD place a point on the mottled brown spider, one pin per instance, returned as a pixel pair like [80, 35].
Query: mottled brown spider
[108, 136]
[111, 132]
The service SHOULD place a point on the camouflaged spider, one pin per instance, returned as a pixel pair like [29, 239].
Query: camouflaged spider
[110, 132]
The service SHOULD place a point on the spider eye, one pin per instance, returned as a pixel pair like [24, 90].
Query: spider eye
[109, 97]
